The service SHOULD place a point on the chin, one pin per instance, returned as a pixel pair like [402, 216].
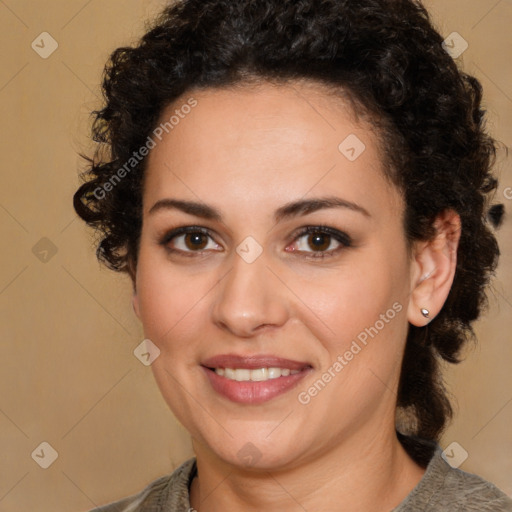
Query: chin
[255, 453]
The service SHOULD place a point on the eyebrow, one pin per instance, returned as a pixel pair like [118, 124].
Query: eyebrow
[292, 209]
[305, 206]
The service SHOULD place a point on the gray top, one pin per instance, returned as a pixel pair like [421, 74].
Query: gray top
[442, 489]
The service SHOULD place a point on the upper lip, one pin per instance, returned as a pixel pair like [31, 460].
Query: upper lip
[253, 362]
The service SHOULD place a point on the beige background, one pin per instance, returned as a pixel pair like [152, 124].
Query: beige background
[68, 375]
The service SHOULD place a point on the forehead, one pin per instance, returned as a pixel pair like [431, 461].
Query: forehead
[264, 141]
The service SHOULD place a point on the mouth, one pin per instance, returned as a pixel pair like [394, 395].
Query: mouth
[253, 379]
[257, 375]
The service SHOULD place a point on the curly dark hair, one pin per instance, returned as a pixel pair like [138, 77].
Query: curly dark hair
[389, 58]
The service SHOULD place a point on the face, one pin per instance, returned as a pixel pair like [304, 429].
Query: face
[272, 239]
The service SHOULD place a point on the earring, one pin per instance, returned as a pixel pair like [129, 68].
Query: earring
[425, 312]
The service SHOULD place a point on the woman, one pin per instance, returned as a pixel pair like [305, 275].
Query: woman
[298, 191]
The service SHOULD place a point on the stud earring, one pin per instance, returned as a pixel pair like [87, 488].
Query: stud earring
[425, 312]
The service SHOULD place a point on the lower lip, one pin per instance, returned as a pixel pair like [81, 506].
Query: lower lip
[250, 392]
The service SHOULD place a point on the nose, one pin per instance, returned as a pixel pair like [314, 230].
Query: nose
[250, 299]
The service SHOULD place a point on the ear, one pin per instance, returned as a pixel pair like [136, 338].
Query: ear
[433, 269]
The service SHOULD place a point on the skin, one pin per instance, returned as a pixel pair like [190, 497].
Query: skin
[247, 152]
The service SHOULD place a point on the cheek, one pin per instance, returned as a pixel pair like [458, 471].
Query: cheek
[362, 343]
[363, 302]
[168, 299]
[361, 294]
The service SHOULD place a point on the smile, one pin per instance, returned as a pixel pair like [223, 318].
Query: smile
[257, 375]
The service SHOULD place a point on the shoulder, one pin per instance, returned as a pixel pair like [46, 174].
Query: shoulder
[444, 488]
[465, 491]
[169, 492]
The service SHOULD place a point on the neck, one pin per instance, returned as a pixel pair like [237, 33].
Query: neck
[359, 475]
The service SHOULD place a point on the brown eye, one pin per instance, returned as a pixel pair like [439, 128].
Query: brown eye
[189, 240]
[319, 241]
[195, 241]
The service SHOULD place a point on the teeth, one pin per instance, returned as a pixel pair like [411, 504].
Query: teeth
[273, 373]
[257, 375]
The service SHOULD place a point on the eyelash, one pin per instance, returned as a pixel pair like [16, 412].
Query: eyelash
[339, 236]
